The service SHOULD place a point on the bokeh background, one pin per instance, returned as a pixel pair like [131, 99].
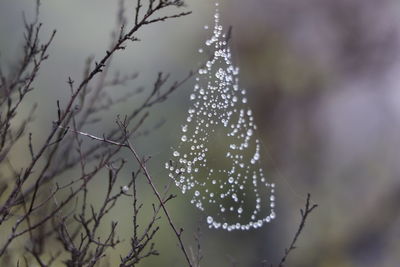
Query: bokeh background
[323, 80]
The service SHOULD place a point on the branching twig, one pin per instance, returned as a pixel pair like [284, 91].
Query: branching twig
[127, 144]
[304, 214]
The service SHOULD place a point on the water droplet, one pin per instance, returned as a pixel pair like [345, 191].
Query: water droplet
[272, 215]
[125, 188]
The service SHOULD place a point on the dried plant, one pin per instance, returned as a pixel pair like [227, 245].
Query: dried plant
[35, 205]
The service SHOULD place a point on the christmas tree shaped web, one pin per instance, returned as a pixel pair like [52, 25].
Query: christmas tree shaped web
[217, 160]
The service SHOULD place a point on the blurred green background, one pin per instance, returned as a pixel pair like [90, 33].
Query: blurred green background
[323, 81]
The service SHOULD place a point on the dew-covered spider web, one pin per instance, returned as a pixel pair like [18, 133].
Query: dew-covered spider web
[217, 161]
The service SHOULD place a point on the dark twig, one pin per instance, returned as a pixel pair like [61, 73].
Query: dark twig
[153, 187]
[304, 214]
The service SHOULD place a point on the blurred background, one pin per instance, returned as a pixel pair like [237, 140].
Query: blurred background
[323, 81]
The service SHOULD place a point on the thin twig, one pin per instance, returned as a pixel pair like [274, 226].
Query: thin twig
[304, 214]
[150, 180]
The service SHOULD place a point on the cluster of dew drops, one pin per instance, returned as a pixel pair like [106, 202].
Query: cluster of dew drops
[217, 101]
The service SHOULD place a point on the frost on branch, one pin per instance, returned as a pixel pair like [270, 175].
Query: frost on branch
[218, 159]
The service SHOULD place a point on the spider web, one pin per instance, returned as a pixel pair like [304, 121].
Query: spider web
[217, 161]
